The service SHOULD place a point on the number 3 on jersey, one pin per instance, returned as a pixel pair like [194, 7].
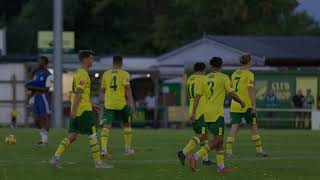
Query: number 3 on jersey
[211, 85]
[113, 84]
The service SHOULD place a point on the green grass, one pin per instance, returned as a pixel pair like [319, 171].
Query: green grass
[294, 155]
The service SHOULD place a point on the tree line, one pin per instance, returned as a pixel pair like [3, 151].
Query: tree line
[150, 27]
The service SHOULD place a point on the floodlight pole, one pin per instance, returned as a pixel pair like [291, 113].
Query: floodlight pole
[57, 61]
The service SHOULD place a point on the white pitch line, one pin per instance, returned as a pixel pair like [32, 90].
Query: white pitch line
[5, 174]
[170, 161]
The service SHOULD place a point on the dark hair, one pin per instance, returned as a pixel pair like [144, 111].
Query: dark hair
[117, 60]
[216, 62]
[44, 59]
[85, 54]
[245, 59]
[199, 66]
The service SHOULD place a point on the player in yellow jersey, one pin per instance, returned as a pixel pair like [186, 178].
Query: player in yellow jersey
[82, 116]
[243, 84]
[197, 84]
[218, 85]
[116, 87]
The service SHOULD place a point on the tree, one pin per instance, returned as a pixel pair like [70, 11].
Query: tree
[152, 27]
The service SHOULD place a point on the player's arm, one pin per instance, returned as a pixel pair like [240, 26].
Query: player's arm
[129, 97]
[235, 97]
[80, 83]
[33, 88]
[251, 92]
[75, 103]
[128, 92]
[199, 91]
[195, 107]
[30, 96]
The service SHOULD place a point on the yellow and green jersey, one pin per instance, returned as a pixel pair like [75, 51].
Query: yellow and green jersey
[197, 84]
[114, 82]
[241, 81]
[81, 80]
[218, 85]
[14, 113]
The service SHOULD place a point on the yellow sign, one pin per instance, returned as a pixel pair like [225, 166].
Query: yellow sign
[45, 41]
[305, 83]
[261, 89]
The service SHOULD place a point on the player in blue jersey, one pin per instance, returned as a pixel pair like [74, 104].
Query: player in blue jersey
[40, 86]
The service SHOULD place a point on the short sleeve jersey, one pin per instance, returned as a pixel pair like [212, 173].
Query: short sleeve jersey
[114, 82]
[218, 85]
[196, 85]
[41, 79]
[241, 80]
[81, 80]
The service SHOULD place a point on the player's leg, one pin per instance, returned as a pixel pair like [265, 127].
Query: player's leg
[125, 115]
[36, 111]
[95, 149]
[43, 121]
[296, 119]
[87, 126]
[217, 129]
[43, 111]
[108, 117]
[236, 119]
[55, 160]
[47, 117]
[38, 119]
[251, 119]
[13, 122]
[199, 127]
[205, 141]
[307, 120]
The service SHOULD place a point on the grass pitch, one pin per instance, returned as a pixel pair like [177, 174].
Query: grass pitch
[295, 154]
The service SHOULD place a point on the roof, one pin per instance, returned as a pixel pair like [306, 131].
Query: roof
[202, 50]
[266, 50]
[307, 47]
[133, 63]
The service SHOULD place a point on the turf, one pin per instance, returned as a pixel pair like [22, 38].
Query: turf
[294, 155]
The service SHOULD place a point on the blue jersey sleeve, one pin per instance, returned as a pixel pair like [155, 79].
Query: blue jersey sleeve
[40, 79]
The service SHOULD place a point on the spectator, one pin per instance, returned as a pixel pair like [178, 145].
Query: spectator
[308, 102]
[297, 103]
[150, 101]
[318, 103]
[270, 101]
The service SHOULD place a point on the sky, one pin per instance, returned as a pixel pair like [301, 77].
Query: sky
[311, 6]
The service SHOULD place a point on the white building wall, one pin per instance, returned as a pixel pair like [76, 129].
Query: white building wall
[6, 91]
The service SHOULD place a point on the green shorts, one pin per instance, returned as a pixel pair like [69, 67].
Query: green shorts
[199, 126]
[216, 128]
[83, 124]
[250, 118]
[110, 115]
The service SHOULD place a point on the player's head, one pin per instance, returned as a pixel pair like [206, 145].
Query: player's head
[245, 59]
[43, 61]
[199, 67]
[299, 92]
[308, 91]
[117, 61]
[271, 92]
[216, 63]
[86, 57]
